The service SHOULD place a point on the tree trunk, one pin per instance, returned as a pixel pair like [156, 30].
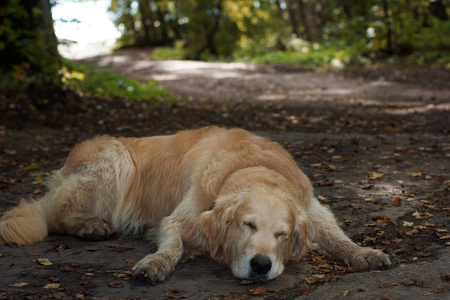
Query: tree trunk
[389, 48]
[47, 27]
[292, 12]
[437, 9]
[144, 19]
[305, 21]
[210, 44]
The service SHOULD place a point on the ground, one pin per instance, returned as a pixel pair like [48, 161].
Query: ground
[374, 143]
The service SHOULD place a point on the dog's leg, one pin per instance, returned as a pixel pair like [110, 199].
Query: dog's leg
[73, 209]
[158, 266]
[324, 230]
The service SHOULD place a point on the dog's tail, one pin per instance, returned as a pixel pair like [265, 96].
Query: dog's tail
[25, 224]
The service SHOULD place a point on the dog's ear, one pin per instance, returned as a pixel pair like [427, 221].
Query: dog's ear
[215, 225]
[300, 241]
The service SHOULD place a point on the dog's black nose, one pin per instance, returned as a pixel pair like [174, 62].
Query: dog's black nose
[261, 264]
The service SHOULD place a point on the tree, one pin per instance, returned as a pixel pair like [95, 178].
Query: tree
[28, 47]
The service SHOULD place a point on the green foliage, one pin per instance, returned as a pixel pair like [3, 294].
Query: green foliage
[88, 80]
[262, 30]
[165, 53]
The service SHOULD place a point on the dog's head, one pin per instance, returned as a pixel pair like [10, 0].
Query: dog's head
[256, 225]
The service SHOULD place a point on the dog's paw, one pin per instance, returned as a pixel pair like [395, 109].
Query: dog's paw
[154, 267]
[366, 259]
[94, 230]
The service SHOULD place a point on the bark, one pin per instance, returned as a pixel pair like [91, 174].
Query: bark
[47, 27]
[389, 48]
[305, 21]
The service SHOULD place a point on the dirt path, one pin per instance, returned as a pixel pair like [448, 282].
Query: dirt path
[377, 151]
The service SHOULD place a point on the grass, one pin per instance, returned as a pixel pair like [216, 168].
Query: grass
[321, 57]
[92, 81]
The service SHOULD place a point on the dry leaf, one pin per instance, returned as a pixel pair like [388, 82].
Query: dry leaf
[375, 175]
[44, 262]
[52, 286]
[310, 280]
[384, 219]
[258, 291]
[397, 201]
[345, 294]
[32, 166]
[19, 284]
[422, 216]
[408, 224]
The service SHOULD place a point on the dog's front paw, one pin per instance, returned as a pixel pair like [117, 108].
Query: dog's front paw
[365, 259]
[154, 267]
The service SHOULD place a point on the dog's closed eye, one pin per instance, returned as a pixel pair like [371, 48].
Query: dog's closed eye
[281, 234]
[250, 225]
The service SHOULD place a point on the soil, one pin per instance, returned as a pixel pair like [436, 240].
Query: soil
[375, 144]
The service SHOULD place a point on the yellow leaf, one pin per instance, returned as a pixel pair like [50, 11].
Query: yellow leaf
[32, 166]
[52, 286]
[19, 284]
[44, 262]
[408, 224]
[422, 216]
[375, 175]
[416, 174]
[310, 279]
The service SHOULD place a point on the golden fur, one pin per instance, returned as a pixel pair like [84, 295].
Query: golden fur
[239, 197]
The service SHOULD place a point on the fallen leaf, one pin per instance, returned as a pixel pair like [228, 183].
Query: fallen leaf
[324, 183]
[422, 216]
[397, 201]
[258, 291]
[319, 260]
[32, 166]
[439, 289]
[345, 294]
[19, 284]
[67, 269]
[115, 284]
[52, 286]
[408, 224]
[310, 280]
[375, 175]
[384, 219]
[246, 282]
[412, 281]
[44, 262]
[445, 237]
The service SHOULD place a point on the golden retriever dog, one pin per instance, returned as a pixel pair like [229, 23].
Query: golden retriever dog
[229, 193]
